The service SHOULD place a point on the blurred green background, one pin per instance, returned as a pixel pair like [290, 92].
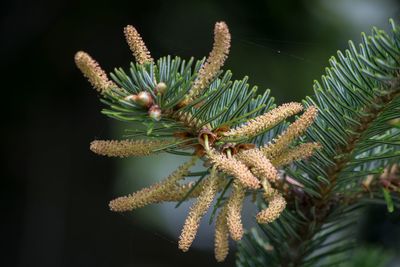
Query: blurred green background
[55, 191]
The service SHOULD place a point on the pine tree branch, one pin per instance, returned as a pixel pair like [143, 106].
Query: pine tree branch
[328, 195]
[358, 100]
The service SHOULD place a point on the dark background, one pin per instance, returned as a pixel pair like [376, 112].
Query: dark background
[54, 190]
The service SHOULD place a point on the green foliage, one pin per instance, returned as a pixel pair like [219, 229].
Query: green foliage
[224, 102]
[358, 99]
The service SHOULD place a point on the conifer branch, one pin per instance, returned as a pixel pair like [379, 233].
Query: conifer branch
[194, 108]
[184, 108]
[358, 98]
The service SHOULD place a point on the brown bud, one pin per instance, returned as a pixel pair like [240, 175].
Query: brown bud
[160, 88]
[155, 112]
[144, 99]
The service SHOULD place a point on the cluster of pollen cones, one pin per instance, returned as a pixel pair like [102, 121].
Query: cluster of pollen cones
[245, 169]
